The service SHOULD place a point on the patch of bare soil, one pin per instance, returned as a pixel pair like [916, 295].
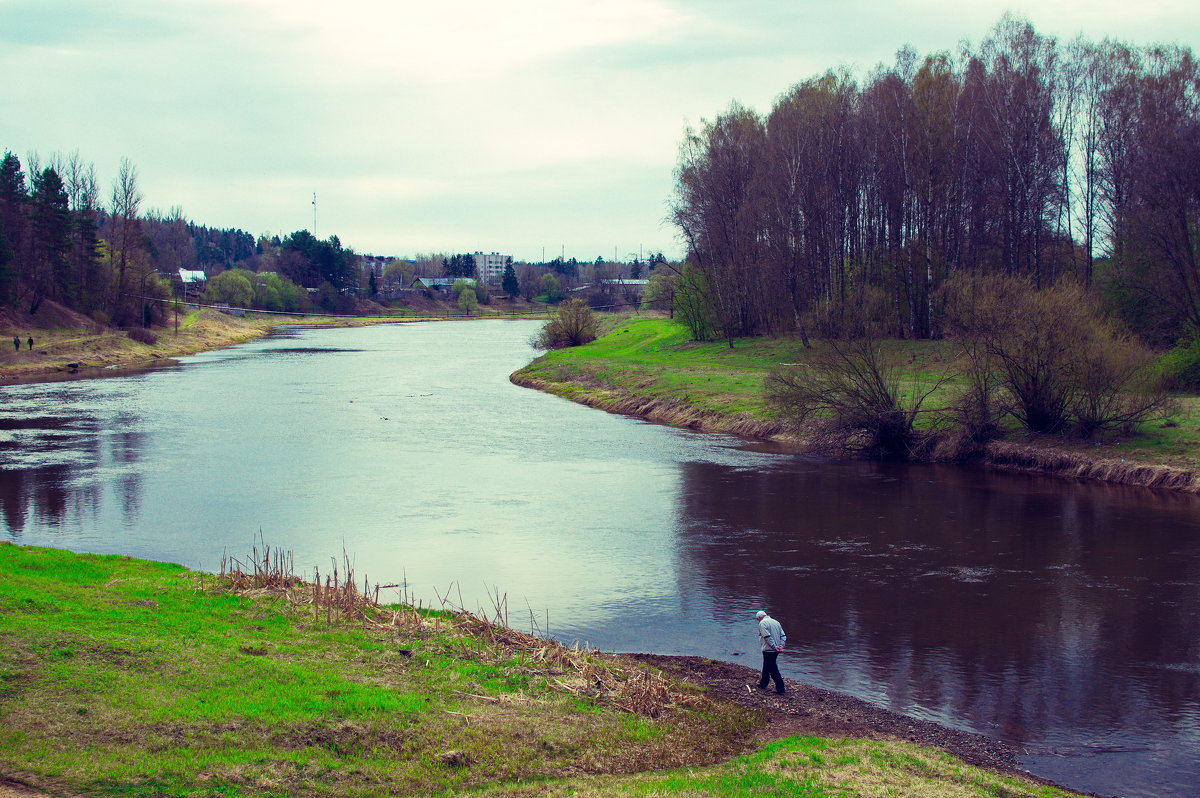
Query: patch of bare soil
[10, 788]
[808, 711]
[50, 316]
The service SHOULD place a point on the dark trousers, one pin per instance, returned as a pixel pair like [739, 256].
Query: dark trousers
[771, 671]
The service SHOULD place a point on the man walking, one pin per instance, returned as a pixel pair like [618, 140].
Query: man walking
[773, 640]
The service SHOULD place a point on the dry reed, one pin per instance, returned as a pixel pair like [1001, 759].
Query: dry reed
[336, 598]
[1045, 460]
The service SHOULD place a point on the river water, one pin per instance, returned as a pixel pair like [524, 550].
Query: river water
[1062, 617]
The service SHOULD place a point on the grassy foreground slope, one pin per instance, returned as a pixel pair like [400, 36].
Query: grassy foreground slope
[135, 678]
[649, 367]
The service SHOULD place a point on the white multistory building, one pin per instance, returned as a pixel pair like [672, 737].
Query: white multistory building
[490, 266]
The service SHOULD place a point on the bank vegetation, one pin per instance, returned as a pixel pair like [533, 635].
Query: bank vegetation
[935, 401]
[1028, 207]
[134, 678]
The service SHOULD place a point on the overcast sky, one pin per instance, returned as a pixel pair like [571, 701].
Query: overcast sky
[523, 127]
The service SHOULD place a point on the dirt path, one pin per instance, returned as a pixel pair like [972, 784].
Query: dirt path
[14, 789]
[813, 712]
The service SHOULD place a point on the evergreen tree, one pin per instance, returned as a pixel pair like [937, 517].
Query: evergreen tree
[459, 265]
[8, 278]
[13, 199]
[51, 219]
[509, 283]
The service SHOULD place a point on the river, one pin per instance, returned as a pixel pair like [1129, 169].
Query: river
[1062, 617]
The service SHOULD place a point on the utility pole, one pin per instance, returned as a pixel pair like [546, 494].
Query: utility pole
[314, 214]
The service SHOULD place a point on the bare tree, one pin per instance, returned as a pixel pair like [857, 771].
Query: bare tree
[713, 211]
[125, 252]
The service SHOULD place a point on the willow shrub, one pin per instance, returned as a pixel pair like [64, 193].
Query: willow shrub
[573, 324]
[852, 390]
[1060, 362]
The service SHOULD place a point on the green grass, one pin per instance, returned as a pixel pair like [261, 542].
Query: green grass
[652, 359]
[655, 358]
[122, 677]
[125, 677]
[809, 767]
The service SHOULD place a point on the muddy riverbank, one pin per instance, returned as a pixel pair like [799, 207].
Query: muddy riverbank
[1031, 456]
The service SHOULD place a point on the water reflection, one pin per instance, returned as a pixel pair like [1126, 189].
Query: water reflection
[56, 468]
[1043, 612]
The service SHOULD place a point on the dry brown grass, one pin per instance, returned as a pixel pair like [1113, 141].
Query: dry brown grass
[1050, 460]
[84, 345]
[593, 393]
[336, 598]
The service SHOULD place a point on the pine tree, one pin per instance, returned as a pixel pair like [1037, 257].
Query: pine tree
[51, 217]
[509, 283]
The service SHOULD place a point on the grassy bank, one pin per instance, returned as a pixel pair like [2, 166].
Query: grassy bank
[71, 344]
[648, 367]
[127, 677]
[68, 344]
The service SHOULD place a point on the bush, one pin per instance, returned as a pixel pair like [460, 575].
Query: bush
[142, 336]
[468, 300]
[573, 324]
[552, 289]
[693, 304]
[853, 386]
[232, 287]
[1180, 367]
[1059, 359]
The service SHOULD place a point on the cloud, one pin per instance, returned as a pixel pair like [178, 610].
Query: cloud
[453, 40]
[458, 121]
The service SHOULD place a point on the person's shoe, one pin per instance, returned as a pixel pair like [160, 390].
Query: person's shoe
[781, 692]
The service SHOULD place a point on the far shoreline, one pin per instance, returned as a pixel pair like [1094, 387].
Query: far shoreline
[108, 353]
[90, 352]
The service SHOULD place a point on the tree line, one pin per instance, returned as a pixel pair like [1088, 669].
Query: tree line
[1022, 157]
[62, 239]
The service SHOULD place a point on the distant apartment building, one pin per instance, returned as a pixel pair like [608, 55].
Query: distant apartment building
[374, 264]
[491, 266]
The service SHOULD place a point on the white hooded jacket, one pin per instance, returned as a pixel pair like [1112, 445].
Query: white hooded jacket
[771, 634]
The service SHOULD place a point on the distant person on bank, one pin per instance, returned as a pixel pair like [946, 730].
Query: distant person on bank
[16, 343]
[773, 640]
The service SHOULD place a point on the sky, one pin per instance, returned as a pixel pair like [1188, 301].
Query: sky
[526, 127]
